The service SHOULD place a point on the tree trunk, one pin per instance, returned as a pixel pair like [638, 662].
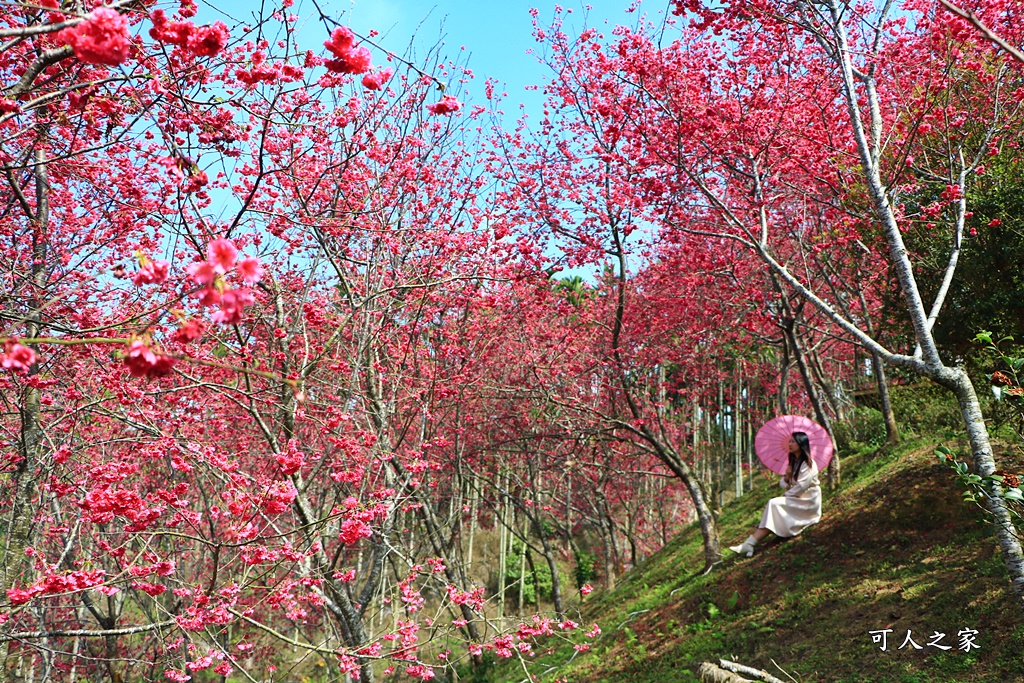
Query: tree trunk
[928, 362]
[984, 465]
[749, 448]
[784, 378]
[522, 579]
[892, 431]
[705, 516]
[556, 582]
[502, 549]
[474, 496]
[608, 537]
[19, 528]
[812, 394]
[568, 511]
[828, 389]
[737, 439]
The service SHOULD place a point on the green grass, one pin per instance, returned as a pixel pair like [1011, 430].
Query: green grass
[896, 548]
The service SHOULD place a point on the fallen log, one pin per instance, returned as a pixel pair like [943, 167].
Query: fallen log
[759, 674]
[712, 673]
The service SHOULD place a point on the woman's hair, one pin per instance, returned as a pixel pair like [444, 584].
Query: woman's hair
[805, 452]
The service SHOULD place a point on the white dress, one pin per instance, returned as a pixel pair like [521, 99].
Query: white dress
[790, 514]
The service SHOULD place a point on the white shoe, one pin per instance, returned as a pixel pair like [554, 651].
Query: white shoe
[743, 549]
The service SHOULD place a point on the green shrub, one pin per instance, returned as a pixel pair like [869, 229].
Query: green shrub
[864, 425]
[926, 409]
[530, 585]
[585, 568]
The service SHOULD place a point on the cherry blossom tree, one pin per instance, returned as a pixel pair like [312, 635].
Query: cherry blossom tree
[771, 123]
[232, 268]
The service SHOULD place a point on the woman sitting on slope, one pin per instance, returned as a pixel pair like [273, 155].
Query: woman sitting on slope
[790, 514]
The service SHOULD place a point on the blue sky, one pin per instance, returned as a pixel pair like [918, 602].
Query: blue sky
[492, 37]
[496, 34]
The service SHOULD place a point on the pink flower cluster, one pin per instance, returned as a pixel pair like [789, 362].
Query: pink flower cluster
[151, 272]
[201, 41]
[376, 80]
[258, 554]
[263, 71]
[17, 357]
[142, 362]
[102, 38]
[447, 105]
[152, 589]
[232, 304]
[205, 662]
[56, 583]
[412, 597]
[474, 599]
[279, 497]
[221, 256]
[164, 568]
[953, 193]
[354, 530]
[189, 331]
[291, 460]
[506, 645]
[350, 59]
[407, 635]
[420, 671]
[103, 504]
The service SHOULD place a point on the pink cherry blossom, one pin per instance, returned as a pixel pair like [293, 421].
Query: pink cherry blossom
[349, 59]
[447, 105]
[232, 304]
[342, 39]
[142, 362]
[201, 41]
[352, 530]
[376, 80]
[153, 273]
[139, 359]
[355, 61]
[222, 254]
[203, 273]
[188, 332]
[209, 297]
[173, 32]
[17, 357]
[101, 39]
[165, 568]
[420, 671]
[207, 41]
[250, 270]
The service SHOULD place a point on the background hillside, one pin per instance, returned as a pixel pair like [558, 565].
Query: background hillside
[896, 549]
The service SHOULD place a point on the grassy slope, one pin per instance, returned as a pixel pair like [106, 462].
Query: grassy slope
[896, 548]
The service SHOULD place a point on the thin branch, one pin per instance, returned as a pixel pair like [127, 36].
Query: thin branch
[984, 30]
[86, 633]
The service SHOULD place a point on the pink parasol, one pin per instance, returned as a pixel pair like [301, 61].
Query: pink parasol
[772, 442]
